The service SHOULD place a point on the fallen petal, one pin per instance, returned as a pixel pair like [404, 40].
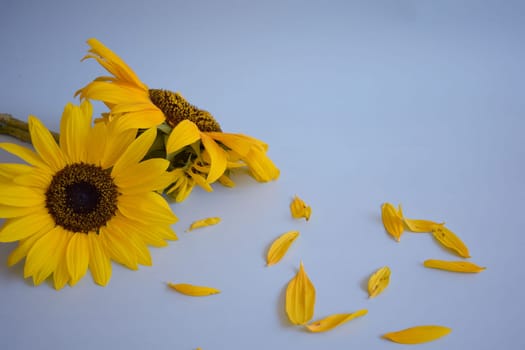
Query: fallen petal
[194, 291]
[448, 239]
[378, 281]
[204, 223]
[415, 225]
[392, 220]
[280, 246]
[418, 334]
[454, 266]
[300, 209]
[333, 321]
[300, 298]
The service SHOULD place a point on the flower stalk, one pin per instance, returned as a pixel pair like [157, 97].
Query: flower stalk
[16, 128]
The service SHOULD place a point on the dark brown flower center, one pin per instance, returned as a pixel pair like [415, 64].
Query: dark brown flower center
[82, 197]
[177, 109]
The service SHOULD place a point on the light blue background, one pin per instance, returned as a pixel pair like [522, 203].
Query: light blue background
[413, 102]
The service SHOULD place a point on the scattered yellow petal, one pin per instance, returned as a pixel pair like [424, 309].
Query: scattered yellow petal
[448, 239]
[392, 220]
[300, 298]
[416, 225]
[299, 209]
[378, 282]
[204, 223]
[454, 266]
[280, 246]
[194, 291]
[418, 334]
[333, 321]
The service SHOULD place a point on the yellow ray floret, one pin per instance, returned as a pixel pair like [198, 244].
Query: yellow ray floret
[194, 291]
[300, 209]
[280, 246]
[332, 321]
[378, 281]
[454, 266]
[204, 222]
[450, 240]
[300, 298]
[392, 220]
[416, 225]
[418, 334]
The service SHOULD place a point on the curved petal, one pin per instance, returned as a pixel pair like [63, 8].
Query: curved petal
[239, 143]
[19, 228]
[140, 120]
[25, 154]
[184, 134]
[112, 62]
[112, 93]
[46, 145]
[61, 274]
[217, 156]
[135, 152]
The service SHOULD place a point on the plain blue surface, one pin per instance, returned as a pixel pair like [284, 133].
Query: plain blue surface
[413, 102]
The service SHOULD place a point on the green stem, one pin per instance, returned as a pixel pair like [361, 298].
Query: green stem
[16, 128]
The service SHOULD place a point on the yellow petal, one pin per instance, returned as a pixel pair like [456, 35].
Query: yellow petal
[146, 208]
[118, 247]
[75, 126]
[454, 266]
[25, 154]
[42, 259]
[184, 134]
[135, 152]
[280, 246]
[99, 263]
[194, 291]
[217, 156]
[392, 220]
[77, 257]
[45, 144]
[204, 223]
[448, 239]
[418, 334]
[20, 196]
[25, 226]
[299, 209]
[333, 321]
[378, 282]
[300, 298]
[61, 274]
[415, 225]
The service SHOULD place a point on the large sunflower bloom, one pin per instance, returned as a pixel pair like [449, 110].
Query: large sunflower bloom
[132, 104]
[78, 204]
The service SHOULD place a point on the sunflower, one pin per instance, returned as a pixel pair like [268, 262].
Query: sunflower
[78, 204]
[196, 143]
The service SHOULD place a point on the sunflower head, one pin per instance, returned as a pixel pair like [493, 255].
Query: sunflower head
[176, 109]
[87, 200]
